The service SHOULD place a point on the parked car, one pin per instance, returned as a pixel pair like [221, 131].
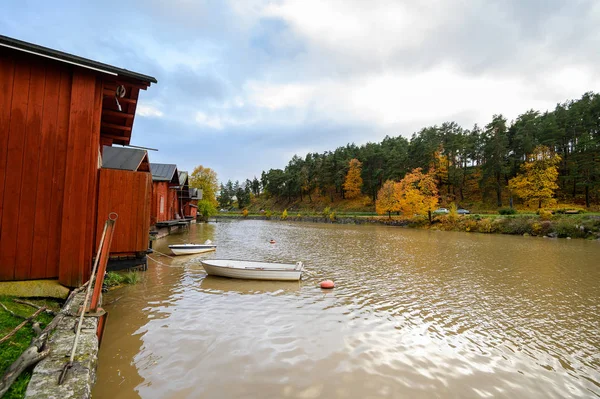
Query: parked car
[463, 212]
[441, 210]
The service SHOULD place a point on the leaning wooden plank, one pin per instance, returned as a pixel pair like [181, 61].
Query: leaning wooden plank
[27, 320]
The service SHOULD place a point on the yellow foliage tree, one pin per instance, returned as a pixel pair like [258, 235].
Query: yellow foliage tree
[206, 180]
[417, 193]
[387, 201]
[353, 182]
[440, 165]
[537, 181]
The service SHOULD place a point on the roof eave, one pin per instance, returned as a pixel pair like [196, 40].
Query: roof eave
[60, 56]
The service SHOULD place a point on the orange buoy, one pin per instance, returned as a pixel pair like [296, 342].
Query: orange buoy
[327, 284]
[272, 241]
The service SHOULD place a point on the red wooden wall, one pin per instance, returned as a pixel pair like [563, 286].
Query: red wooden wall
[173, 203]
[190, 210]
[49, 141]
[159, 190]
[129, 195]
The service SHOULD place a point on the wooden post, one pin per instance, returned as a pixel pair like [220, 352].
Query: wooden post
[104, 253]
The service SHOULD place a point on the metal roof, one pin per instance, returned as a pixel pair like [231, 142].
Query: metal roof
[195, 193]
[183, 176]
[163, 171]
[41, 51]
[122, 158]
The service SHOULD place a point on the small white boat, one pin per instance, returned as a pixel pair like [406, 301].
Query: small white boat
[249, 270]
[189, 249]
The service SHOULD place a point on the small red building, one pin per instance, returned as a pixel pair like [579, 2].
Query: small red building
[165, 184]
[192, 207]
[126, 189]
[56, 112]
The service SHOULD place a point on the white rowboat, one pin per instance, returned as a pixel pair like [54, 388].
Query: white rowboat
[249, 270]
[189, 249]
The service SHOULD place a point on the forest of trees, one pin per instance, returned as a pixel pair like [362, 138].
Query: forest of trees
[473, 165]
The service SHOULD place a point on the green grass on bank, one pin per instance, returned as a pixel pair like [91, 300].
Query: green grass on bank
[12, 349]
[115, 279]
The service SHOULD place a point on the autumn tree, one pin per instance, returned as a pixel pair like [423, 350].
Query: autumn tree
[353, 182]
[387, 200]
[417, 193]
[537, 181]
[206, 180]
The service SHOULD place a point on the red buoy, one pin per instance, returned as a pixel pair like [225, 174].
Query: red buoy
[272, 241]
[327, 284]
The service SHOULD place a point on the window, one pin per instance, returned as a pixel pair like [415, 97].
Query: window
[162, 204]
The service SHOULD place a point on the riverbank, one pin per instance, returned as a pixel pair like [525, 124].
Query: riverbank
[12, 315]
[556, 226]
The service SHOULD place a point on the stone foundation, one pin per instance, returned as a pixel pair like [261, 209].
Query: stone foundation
[81, 377]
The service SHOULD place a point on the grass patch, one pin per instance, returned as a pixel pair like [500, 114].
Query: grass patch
[115, 279]
[12, 349]
[131, 278]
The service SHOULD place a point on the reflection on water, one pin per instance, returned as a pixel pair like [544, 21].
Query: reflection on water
[414, 314]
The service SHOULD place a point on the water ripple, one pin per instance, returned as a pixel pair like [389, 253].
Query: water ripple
[413, 314]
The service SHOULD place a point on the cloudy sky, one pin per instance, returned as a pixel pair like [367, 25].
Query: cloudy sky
[244, 85]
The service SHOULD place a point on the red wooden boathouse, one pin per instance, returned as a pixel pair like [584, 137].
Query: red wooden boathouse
[125, 188]
[56, 112]
[165, 183]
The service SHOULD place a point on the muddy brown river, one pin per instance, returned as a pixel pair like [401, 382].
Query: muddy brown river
[414, 314]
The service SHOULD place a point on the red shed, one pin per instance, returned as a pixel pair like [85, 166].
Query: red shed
[56, 111]
[165, 182]
[126, 189]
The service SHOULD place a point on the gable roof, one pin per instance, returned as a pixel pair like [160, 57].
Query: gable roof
[164, 172]
[195, 193]
[122, 158]
[46, 52]
[183, 177]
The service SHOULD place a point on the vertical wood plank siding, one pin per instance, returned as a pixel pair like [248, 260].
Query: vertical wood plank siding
[80, 179]
[128, 194]
[160, 190]
[14, 169]
[49, 138]
[7, 72]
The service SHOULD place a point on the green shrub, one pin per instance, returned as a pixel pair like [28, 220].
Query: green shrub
[112, 279]
[567, 228]
[515, 225]
[284, 215]
[268, 214]
[245, 213]
[326, 212]
[507, 211]
[332, 216]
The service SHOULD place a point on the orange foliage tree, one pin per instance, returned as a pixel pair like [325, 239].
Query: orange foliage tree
[537, 181]
[417, 193]
[353, 182]
[387, 200]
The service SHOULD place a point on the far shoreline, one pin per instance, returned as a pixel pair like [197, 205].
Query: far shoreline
[580, 226]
